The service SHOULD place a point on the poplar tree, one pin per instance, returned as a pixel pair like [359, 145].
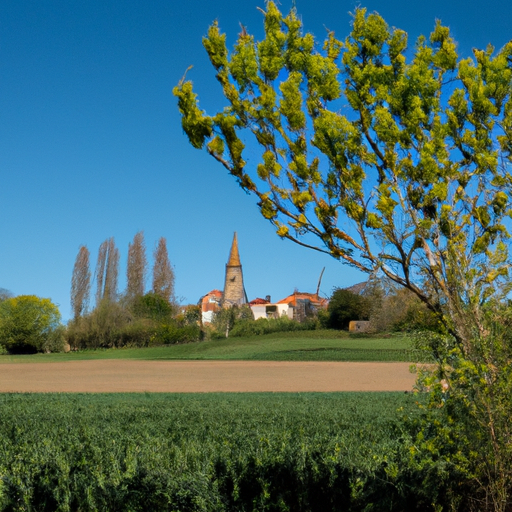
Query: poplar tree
[111, 272]
[163, 274]
[80, 283]
[107, 271]
[396, 162]
[100, 271]
[137, 267]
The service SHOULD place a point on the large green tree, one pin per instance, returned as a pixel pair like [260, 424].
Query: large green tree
[380, 162]
[30, 324]
[390, 159]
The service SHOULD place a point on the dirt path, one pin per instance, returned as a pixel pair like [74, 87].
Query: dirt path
[203, 376]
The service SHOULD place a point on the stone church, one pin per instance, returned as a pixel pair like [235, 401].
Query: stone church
[234, 290]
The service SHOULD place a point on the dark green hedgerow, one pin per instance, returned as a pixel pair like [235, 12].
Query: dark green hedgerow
[219, 452]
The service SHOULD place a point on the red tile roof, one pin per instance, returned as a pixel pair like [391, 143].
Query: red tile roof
[316, 300]
[258, 301]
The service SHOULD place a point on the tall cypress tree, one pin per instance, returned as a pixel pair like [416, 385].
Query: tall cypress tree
[137, 267]
[163, 273]
[80, 283]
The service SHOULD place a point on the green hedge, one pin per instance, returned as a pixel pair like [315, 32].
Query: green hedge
[269, 326]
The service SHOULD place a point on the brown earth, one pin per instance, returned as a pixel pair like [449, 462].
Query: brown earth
[203, 376]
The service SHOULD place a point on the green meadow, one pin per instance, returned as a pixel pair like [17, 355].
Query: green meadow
[322, 345]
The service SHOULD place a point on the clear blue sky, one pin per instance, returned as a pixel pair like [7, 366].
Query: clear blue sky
[91, 144]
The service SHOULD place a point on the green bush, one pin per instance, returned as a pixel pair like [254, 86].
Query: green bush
[152, 305]
[171, 334]
[101, 328]
[30, 324]
[269, 326]
[345, 306]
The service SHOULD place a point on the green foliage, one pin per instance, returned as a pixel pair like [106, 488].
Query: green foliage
[170, 334]
[101, 327]
[225, 319]
[393, 308]
[345, 306]
[192, 315]
[467, 420]
[153, 306]
[311, 452]
[112, 326]
[30, 324]
[411, 178]
[262, 326]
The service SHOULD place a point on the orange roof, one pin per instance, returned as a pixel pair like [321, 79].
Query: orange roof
[298, 296]
[206, 305]
[258, 301]
[216, 293]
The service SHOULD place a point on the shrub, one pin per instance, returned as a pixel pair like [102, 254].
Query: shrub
[270, 325]
[171, 334]
[345, 306]
[152, 306]
[30, 324]
[101, 328]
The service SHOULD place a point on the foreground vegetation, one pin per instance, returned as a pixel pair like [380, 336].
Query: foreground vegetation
[217, 452]
[320, 345]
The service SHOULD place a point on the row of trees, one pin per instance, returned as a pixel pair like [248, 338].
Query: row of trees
[107, 272]
[135, 317]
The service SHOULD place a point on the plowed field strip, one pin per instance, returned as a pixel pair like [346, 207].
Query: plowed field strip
[203, 376]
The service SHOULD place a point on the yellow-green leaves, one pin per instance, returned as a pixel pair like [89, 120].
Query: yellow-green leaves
[30, 324]
[446, 55]
[269, 166]
[385, 203]
[393, 161]
[291, 103]
[243, 65]
[370, 32]
[270, 50]
[215, 45]
[336, 137]
[195, 123]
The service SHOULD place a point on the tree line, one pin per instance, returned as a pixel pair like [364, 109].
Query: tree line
[135, 317]
[107, 272]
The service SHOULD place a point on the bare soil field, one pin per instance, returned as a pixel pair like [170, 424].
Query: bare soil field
[107, 376]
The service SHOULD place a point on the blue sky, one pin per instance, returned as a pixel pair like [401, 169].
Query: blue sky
[91, 144]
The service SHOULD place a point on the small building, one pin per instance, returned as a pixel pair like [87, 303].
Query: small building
[359, 326]
[210, 304]
[263, 308]
[304, 304]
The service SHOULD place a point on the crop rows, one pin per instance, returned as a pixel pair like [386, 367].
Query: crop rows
[215, 452]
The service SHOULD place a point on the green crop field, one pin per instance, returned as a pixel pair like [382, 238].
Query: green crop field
[213, 452]
[288, 346]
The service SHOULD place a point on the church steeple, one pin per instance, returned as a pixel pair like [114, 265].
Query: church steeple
[234, 291]
[234, 257]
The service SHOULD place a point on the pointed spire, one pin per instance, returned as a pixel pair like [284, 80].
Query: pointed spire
[234, 257]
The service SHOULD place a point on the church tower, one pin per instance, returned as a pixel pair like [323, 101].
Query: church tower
[234, 291]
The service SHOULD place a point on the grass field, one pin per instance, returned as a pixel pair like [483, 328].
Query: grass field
[225, 452]
[288, 346]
